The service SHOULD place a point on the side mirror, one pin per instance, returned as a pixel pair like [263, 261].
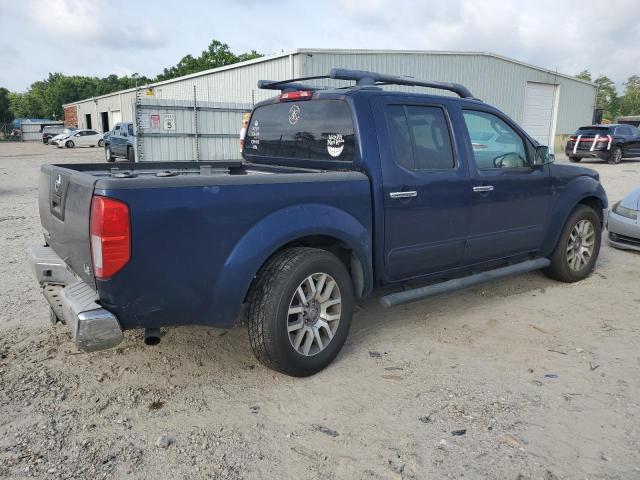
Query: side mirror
[544, 156]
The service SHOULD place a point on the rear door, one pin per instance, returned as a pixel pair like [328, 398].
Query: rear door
[425, 186]
[631, 146]
[511, 197]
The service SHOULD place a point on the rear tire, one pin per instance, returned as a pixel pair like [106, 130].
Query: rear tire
[107, 154]
[101, 143]
[575, 159]
[577, 250]
[130, 155]
[70, 144]
[299, 311]
[616, 156]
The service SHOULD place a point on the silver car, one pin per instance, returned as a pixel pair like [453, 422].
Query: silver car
[623, 222]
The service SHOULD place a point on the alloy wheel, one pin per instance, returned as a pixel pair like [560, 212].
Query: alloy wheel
[314, 314]
[580, 245]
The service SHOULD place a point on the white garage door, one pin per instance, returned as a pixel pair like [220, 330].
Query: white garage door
[116, 117]
[538, 111]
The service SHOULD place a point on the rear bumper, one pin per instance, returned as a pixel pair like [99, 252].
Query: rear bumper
[601, 154]
[74, 302]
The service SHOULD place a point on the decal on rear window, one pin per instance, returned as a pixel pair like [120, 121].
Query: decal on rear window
[335, 144]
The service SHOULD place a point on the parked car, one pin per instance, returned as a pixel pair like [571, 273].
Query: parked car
[343, 191]
[120, 143]
[606, 142]
[82, 138]
[63, 135]
[623, 222]
[50, 131]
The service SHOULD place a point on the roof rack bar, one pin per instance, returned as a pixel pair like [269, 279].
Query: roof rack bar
[364, 78]
[291, 84]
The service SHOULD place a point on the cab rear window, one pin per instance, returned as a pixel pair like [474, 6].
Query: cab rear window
[592, 131]
[314, 130]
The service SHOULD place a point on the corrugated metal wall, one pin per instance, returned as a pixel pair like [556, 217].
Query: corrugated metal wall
[496, 81]
[32, 131]
[215, 136]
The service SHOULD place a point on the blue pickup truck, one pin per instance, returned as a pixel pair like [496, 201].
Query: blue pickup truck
[342, 191]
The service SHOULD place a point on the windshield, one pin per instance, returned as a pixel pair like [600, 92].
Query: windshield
[314, 130]
[592, 131]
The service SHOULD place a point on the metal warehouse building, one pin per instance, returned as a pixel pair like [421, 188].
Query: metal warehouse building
[546, 103]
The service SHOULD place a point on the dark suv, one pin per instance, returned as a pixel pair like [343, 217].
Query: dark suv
[120, 143]
[606, 142]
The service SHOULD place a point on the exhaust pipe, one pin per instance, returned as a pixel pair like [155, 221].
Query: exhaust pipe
[152, 336]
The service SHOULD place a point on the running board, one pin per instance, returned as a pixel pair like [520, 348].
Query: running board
[408, 296]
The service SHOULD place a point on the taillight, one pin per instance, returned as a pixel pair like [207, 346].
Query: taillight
[298, 95]
[110, 232]
[573, 138]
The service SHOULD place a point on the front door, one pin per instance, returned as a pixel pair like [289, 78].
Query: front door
[425, 187]
[510, 195]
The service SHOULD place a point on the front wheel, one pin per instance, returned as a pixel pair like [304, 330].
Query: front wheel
[616, 156]
[577, 250]
[130, 155]
[108, 155]
[299, 311]
[70, 144]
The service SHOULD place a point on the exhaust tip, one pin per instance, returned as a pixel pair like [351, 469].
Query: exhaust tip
[152, 336]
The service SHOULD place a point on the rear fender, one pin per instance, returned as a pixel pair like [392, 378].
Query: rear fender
[272, 233]
[575, 192]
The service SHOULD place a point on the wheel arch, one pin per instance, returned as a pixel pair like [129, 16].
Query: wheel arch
[310, 225]
[582, 191]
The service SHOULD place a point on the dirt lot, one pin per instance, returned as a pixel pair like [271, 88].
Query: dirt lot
[524, 378]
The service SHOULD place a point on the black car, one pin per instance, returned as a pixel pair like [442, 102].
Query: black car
[606, 142]
[50, 131]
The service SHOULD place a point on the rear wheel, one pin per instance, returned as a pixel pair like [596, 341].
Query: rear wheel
[575, 159]
[101, 143]
[107, 154]
[299, 311]
[70, 144]
[616, 156]
[577, 250]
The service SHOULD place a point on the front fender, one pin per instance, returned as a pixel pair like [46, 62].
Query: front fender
[574, 192]
[273, 232]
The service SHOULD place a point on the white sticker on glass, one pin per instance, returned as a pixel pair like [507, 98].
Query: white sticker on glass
[335, 144]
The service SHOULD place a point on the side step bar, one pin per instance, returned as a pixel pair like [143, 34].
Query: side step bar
[408, 296]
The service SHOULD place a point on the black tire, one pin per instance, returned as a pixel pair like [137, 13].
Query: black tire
[101, 143]
[107, 154]
[69, 144]
[560, 269]
[616, 156]
[268, 310]
[575, 159]
[130, 155]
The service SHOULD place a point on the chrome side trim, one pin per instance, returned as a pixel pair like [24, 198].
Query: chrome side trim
[483, 188]
[410, 194]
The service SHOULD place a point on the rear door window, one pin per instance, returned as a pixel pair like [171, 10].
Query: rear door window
[314, 130]
[420, 137]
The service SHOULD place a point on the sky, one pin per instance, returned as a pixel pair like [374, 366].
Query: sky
[98, 38]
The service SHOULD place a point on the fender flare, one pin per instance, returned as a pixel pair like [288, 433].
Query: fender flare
[573, 193]
[273, 232]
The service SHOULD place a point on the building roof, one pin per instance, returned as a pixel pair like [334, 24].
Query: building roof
[274, 56]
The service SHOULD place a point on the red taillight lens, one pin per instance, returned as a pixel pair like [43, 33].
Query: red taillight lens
[573, 138]
[299, 95]
[110, 231]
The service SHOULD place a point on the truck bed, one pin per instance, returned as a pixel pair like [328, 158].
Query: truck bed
[177, 213]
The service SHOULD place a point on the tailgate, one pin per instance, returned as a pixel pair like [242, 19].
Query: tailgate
[65, 207]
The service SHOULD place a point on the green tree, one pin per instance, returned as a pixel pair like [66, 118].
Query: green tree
[5, 113]
[607, 97]
[585, 75]
[216, 55]
[630, 103]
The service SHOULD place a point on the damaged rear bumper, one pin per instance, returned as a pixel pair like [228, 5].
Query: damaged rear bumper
[74, 302]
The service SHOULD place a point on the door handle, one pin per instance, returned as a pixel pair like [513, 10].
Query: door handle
[410, 194]
[483, 188]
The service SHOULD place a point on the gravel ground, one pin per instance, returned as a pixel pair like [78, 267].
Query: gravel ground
[524, 378]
